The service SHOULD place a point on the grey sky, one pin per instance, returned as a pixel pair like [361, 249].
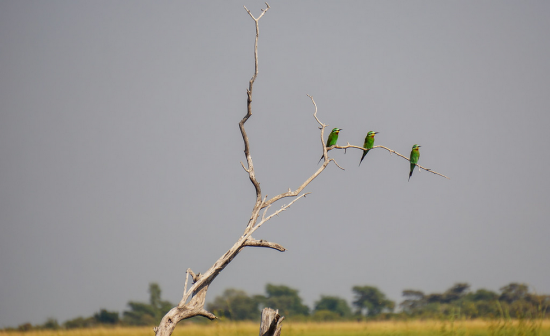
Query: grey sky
[120, 148]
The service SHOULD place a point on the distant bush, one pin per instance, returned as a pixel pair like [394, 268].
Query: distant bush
[51, 324]
[80, 322]
[25, 327]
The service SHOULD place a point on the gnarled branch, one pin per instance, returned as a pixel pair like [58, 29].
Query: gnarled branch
[271, 322]
[262, 243]
[391, 152]
[250, 169]
[193, 299]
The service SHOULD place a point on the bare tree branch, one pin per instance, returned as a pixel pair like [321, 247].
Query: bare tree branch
[246, 170]
[327, 160]
[296, 192]
[193, 299]
[186, 280]
[276, 213]
[271, 322]
[336, 163]
[322, 128]
[262, 243]
[389, 150]
[250, 169]
[193, 275]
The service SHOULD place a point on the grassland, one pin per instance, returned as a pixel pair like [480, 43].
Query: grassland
[385, 328]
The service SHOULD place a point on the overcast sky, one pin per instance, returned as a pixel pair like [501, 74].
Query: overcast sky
[120, 149]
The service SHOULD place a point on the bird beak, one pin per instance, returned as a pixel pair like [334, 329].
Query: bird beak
[376, 132]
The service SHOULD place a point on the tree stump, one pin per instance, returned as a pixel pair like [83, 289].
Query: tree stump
[271, 323]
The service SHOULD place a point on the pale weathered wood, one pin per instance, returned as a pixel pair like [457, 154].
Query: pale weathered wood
[262, 243]
[193, 300]
[391, 152]
[272, 322]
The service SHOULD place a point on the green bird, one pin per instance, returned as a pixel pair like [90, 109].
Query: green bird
[332, 139]
[369, 143]
[415, 155]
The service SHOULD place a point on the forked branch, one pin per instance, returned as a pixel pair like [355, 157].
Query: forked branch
[298, 190]
[193, 299]
[250, 169]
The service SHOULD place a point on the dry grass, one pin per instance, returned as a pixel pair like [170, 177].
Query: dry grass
[384, 328]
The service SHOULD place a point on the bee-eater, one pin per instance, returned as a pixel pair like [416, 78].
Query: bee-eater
[415, 155]
[332, 139]
[369, 143]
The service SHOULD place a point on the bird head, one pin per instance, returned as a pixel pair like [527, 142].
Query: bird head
[416, 147]
[336, 130]
[372, 133]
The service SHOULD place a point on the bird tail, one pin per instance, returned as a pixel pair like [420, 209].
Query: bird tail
[364, 154]
[412, 171]
[322, 156]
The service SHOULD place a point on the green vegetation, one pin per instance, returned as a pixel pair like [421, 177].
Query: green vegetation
[236, 305]
[514, 300]
[513, 311]
[147, 314]
[371, 300]
[286, 300]
[349, 328]
[331, 308]
[140, 314]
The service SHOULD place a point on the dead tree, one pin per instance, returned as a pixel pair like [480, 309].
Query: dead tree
[271, 323]
[193, 300]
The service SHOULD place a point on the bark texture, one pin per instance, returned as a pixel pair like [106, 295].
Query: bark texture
[272, 322]
[193, 300]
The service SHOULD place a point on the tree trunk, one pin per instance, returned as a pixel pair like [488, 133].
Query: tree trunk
[271, 323]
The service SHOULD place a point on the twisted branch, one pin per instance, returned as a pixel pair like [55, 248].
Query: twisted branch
[250, 169]
[296, 192]
[193, 299]
[262, 243]
[391, 152]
